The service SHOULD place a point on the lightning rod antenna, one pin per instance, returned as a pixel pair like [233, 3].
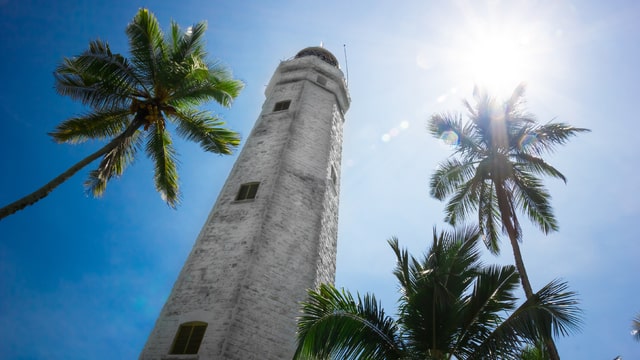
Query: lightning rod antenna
[346, 64]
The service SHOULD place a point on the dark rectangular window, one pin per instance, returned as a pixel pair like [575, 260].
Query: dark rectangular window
[282, 105]
[247, 191]
[321, 80]
[189, 338]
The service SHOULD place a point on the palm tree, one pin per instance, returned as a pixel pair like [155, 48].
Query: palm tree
[166, 78]
[495, 171]
[450, 307]
[635, 327]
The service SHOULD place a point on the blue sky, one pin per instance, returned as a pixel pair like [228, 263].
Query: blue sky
[85, 278]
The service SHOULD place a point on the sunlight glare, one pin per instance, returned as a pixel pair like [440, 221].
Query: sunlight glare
[498, 55]
[499, 61]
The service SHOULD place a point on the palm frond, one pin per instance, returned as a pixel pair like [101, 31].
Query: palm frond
[557, 309]
[334, 325]
[489, 217]
[464, 200]
[516, 100]
[545, 138]
[531, 196]
[429, 307]
[449, 175]
[205, 85]
[97, 78]
[207, 130]
[536, 165]
[405, 277]
[493, 293]
[95, 125]
[113, 164]
[159, 148]
[147, 46]
[185, 44]
[449, 128]
[552, 310]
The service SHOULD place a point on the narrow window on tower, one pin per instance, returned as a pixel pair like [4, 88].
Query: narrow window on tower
[282, 105]
[189, 338]
[321, 80]
[247, 191]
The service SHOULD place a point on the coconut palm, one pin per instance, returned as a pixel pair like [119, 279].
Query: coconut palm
[495, 171]
[134, 103]
[450, 307]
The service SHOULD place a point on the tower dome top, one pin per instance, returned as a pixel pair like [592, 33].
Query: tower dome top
[319, 52]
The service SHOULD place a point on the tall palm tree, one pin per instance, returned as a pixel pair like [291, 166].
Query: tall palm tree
[635, 327]
[495, 171]
[451, 306]
[166, 78]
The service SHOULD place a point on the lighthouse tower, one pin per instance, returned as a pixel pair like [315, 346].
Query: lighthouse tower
[272, 232]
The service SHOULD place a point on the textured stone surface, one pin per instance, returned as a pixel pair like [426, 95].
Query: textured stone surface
[255, 259]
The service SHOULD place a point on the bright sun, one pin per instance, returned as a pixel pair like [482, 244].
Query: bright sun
[499, 61]
[497, 55]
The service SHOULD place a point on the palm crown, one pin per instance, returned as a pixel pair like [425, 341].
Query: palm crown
[133, 100]
[164, 79]
[496, 165]
[450, 306]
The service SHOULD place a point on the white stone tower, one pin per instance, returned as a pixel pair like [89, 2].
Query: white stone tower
[272, 233]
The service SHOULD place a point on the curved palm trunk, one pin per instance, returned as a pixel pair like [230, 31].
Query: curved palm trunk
[507, 220]
[42, 192]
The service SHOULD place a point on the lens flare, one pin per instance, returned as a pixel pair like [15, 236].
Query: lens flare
[527, 140]
[450, 138]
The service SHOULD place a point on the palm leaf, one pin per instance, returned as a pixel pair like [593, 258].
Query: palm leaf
[531, 196]
[215, 84]
[95, 125]
[550, 135]
[147, 46]
[159, 147]
[97, 78]
[536, 165]
[445, 126]
[113, 164]
[489, 217]
[431, 309]
[336, 326]
[492, 294]
[464, 200]
[449, 175]
[207, 130]
[187, 44]
[553, 309]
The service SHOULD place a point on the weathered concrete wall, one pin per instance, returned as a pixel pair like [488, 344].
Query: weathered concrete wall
[254, 260]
